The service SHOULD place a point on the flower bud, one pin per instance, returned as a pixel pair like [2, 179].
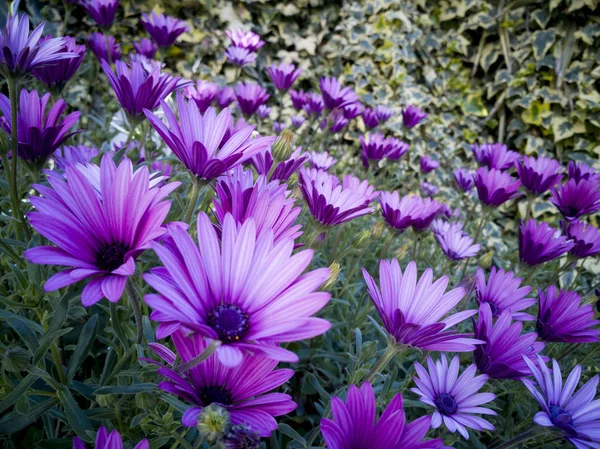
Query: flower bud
[213, 423]
[284, 146]
[334, 273]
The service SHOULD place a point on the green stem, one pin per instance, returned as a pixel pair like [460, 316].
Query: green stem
[415, 251]
[386, 245]
[527, 435]
[116, 324]
[386, 358]
[529, 209]
[193, 200]
[482, 223]
[58, 363]
[335, 244]
[10, 253]
[210, 349]
[135, 304]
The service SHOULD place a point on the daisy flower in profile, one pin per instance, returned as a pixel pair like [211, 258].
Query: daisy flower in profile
[577, 415]
[401, 214]
[57, 75]
[203, 93]
[105, 48]
[299, 99]
[375, 147]
[501, 357]
[105, 440]
[146, 47]
[263, 111]
[539, 243]
[370, 118]
[282, 171]
[70, 155]
[413, 310]
[297, 120]
[332, 203]
[495, 155]
[574, 199]
[580, 170]
[503, 292]
[102, 11]
[353, 110]
[539, 175]
[240, 56]
[231, 288]
[225, 97]
[455, 242]
[562, 318]
[354, 424]
[585, 237]
[334, 95]
[464, 179]
[242, 390]
[321, 160]
[456, 399]
[245, 39]
[100, 219]
[314, 105]
[495, 187]
[250, 96]
[412, 116]
[384, 113]
[429, 189]
[163, 29]
[284, 75]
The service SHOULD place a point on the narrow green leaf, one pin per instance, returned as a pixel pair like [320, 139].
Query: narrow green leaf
[14, 395]
[288, 431]
[47, 341]
[13, 422]
[25, 332]
[60, 313]
[127, 389]
[86, 338]
[77, 419]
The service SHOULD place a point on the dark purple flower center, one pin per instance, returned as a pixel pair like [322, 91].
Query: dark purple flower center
[229, 322]
[446, 404]
[216, 394]
[495, 309]
[111, 256]
[560, 417]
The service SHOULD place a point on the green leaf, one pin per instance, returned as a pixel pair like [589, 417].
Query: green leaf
[536, 113]
[542, 41]
[474, 105]
[60, 313]
[13, 422]
[86, 339]
[562, 128]
[20, 390]
[127, 389]
[288, 431]
[77, 419]
[25, 332]
[47, 341]
[489, 55]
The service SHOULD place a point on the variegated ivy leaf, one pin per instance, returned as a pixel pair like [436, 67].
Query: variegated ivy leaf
[562, 128]
[473, 105]
[535, 114]
[542, 17]
[542, 41]
[490, 54]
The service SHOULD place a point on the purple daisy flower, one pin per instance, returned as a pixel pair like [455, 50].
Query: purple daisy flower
[297, 121]
[314, 104]
[495, 187]
[263, 111]
[283, 76]
[412, 310]
[539, 243]
[267, 203]
[412, 116]
[21, 52]
[334, 95]
[278, 127]
[580, 170]
[162, 167]
[245, 39]
[539, 175]
[335, 120]
[98, 224]
[242, 389]
[299, 99]
[203, 93]
[383, 113]
[250, 96]
[503, 292]
[428, 164]
[145, 47]
[415, 211]
[576, 416]
[562, 318]
[354, 424]
[321, 160]
[225, 97]
[332, 203]
[164, 30]
[39, 134]
[495, 155]
[574, 199]
[454, 241]
[370, 118]
[101, 11]
[585, 237]
[99, 43]
[232, 290]
[464, 179]
[501, 357]
[70, 155]
[204, 148]
[57, 75]
[104, 440]
[282, 171]
[429, 189]
[375, 147]
[353, 110]
[240, 56]
[139, 90]
[456, 399]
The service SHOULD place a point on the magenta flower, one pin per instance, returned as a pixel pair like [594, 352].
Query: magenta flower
[21, 52]
[412, 116]
[454, 241]
[334, 95]
[332, 203]
[428, 164]
[100, 219]
[39, 134]
[146, 47]
[415, 211]
[579, 171]
[495, 187]
[245, 39]
[242, 390]
[335, 120]
[585, 237]
[314, 105]
[278, 127]
[383, 113]
[163, 29]
[283, 76]
[495, 155]
[297, 120]
[267, 203]
[233, 290]
[225, 97]
[55, 76]
[503, 292]
[263, 111]
[539, 175]
[376, 147]
[429, 189]
[412, 310]
[501, 357]
[263, 162]
[354, 424]
[353, 110]
[576, 416]
[562, 318]
[203, 143]
[370, 118]
[101, 11]
[104, 440]
[203, 93]
[464, 179]
[321, 160]
[539, 243]
[299, 99]
[240, 56]
[70, 155]
[574, 199]
[249, 97]
[456, 399]
[99, 44]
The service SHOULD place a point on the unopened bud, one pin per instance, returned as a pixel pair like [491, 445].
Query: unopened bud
[485, 261]
[284, 146]
[378, 229]
[15, 360]
[241, 437]
[363, 239]
[334, 273]
[213, 423]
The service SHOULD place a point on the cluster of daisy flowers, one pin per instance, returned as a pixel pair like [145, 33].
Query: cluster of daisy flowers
[232, 280]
